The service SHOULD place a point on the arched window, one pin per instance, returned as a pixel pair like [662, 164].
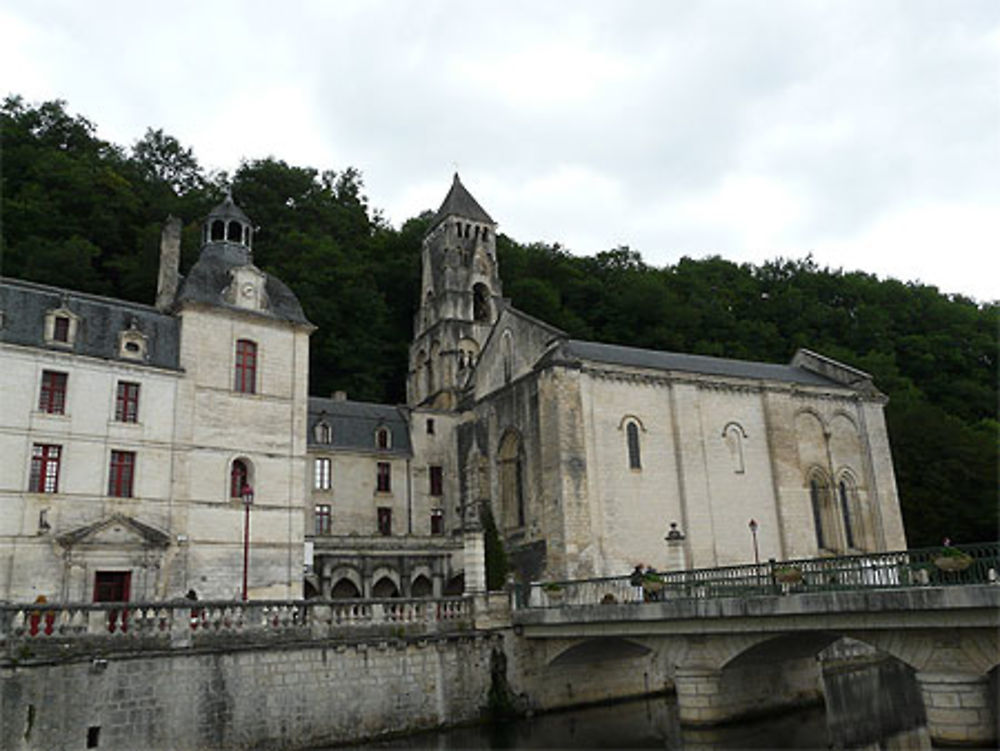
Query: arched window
[819, 497]
[481, 302]
[733, 434]
[239, 477]
[632, 439]
[218, 230]
[235, 231]
[507, 354]
[245, 376]
[847, 495]
[383, 438]
[512, 479]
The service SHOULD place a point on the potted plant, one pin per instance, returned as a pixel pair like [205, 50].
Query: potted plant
[553, 591]
[652, 583]
[788, 574]
[952, 559]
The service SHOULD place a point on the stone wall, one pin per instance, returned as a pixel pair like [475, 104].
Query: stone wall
[277, 697]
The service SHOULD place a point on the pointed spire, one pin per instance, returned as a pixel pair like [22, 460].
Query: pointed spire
[459, 202]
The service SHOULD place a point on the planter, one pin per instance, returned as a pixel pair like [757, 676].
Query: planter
[789, 575]
[652, 586]
[953, 562]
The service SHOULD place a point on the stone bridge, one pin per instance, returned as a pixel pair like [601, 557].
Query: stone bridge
[737, 656]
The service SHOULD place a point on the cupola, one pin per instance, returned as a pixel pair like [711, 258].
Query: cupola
[227, 223]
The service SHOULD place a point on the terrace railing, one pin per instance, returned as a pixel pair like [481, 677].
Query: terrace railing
[184, 623]
[953, 566]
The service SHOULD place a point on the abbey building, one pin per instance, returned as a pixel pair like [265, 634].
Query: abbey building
[134, 437]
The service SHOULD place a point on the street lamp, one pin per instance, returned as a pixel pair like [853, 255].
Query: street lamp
[247, 494]
[753, 533]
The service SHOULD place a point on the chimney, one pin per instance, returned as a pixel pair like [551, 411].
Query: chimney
[170, 261]
[339, 396]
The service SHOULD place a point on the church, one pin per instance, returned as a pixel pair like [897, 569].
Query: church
[153, 450]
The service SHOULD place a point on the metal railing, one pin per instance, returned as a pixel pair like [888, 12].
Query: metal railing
[922, 567]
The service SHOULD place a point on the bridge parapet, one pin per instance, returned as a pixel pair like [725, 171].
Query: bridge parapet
[923, 567]
[67, 628]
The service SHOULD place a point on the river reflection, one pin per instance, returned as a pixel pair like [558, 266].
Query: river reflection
[871, 707]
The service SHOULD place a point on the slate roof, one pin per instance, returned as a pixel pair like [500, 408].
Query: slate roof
[613, 354]
[228, 210]
[354, 425]
[209, 278]
[25, 304]
[459, 202]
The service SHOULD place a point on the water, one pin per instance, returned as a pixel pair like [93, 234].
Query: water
[871, 706]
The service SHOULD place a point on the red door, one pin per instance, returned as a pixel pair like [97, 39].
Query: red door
[113, 586]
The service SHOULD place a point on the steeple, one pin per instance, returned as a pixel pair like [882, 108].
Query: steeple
[460, 299]
[460, 203]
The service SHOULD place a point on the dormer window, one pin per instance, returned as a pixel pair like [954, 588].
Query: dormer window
[132, 344]
[61, 326]
[382, 438]
[323, 433]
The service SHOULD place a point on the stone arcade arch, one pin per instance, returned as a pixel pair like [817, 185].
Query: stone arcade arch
[510, 459]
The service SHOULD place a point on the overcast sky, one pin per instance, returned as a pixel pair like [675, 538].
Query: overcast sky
[866, 133]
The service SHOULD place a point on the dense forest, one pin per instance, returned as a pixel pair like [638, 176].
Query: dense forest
[84, 213]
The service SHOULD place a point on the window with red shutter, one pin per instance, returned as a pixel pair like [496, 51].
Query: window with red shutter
[52, 398]
[121, 475]
[384, 478]
[44, 468]
[127, 402]
[245, 377]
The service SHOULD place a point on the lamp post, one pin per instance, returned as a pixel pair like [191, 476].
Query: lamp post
[753, 533]
[247, 495]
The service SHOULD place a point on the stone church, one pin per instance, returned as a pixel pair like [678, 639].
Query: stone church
[133, 437]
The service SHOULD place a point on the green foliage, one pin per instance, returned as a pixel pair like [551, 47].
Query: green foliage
[83, 213]
[496, 558]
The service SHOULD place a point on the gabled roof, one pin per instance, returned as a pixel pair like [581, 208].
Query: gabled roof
[614, 354]
[459, 202]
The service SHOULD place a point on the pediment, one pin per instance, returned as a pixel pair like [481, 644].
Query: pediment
[116, 530]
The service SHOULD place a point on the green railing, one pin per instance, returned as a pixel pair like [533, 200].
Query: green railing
[922, 567]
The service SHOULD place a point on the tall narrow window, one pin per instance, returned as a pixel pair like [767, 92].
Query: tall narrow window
[245, 379]
[632, 438]
[437, 521]
[121, 475]
[60, 329]
[322, 518]
[817, 497]
[44, 468]
[238, 478]
[437, 481]
[322, 474]
[127, 402]
[52, 398]
[845, 509]
[430, 426]
[384, 520]
[384, 477]
[382, 438]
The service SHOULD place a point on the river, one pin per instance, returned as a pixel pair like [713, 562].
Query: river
[868, 706]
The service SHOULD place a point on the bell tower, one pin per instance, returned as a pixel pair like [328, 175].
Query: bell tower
[460, 296]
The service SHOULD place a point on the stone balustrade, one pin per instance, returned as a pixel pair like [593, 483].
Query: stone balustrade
[30, 628]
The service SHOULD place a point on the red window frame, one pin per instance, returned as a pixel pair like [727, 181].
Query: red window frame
[322, 518]
[122, 474]
[45, 461]
[52, 398]
[245, 376]
[383, 478]
[60, 329]
[127, 402]
[437, 480]
[384, 521]
[437, 521]
[239, 476]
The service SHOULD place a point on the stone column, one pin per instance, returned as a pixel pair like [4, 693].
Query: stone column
[960, 708]
[475, 562]
[700, 698]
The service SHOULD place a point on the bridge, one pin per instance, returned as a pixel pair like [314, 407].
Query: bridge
[742, 640]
